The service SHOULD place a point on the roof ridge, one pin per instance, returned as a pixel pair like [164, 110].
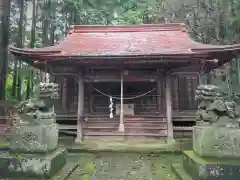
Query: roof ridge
[127, 28]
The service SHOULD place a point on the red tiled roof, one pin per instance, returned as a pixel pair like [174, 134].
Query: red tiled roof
[154, 39]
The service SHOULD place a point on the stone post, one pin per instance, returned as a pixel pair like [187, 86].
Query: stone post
[80, 111]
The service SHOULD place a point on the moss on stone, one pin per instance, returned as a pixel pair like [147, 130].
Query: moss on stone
[179, 172]
[210, 168]
[211, 160]
[32, 165]
[86, 167]
[129, 146]
[104, 165]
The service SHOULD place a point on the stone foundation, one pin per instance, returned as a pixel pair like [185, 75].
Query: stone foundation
[210, 168]
[41, 138]
[38, 166]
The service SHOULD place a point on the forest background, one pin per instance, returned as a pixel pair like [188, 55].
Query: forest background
[38, 23]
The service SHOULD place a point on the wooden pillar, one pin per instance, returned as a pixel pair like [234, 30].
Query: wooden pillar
[91, 101]
[64, 94]
[169, 108]
[121, 124]
[159, 92]
[80, 111]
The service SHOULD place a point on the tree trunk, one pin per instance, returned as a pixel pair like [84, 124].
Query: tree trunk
[20, 45]
[4, 40]
[14, 83]
[32, 45]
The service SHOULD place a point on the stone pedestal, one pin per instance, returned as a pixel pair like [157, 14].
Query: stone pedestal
[210, 168]
[215, 155]
[34, 153]
[221, 142]
[35, 166]
[41, 138]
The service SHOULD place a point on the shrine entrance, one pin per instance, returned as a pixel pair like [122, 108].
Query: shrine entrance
[139, 97]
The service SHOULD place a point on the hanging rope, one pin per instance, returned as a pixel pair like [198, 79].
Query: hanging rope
[118, 98]
[133, 97]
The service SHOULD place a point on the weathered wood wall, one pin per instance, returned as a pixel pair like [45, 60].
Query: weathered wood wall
[183, 93]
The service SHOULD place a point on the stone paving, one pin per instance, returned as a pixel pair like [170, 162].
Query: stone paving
[120, 166]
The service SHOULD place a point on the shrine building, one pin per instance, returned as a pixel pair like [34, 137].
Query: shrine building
[147, 74]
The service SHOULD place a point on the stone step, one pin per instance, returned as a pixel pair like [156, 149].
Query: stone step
[107, 115]
[125, 138]
[130, 122]
[119, 135]
[126, 124]
[162, 133]
[126, 131]
[116, 126]
[183, 119]
[162, 126]
[66, 127]
[72, 132]
[113, 123]
[66, 118]
[107, 118]
[179, 128]
[63, 127]
[132, 127]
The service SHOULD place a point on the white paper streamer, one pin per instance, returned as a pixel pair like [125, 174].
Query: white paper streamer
[111, 107]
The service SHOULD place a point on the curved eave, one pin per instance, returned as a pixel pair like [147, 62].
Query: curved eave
[217, 48]
[43, 54]
[58, 57]
[37, 51]
[52, 55]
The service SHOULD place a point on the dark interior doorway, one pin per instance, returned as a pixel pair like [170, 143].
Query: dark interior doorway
[130, 90]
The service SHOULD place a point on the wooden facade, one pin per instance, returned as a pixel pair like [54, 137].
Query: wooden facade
[151, 70]
[182, 92]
